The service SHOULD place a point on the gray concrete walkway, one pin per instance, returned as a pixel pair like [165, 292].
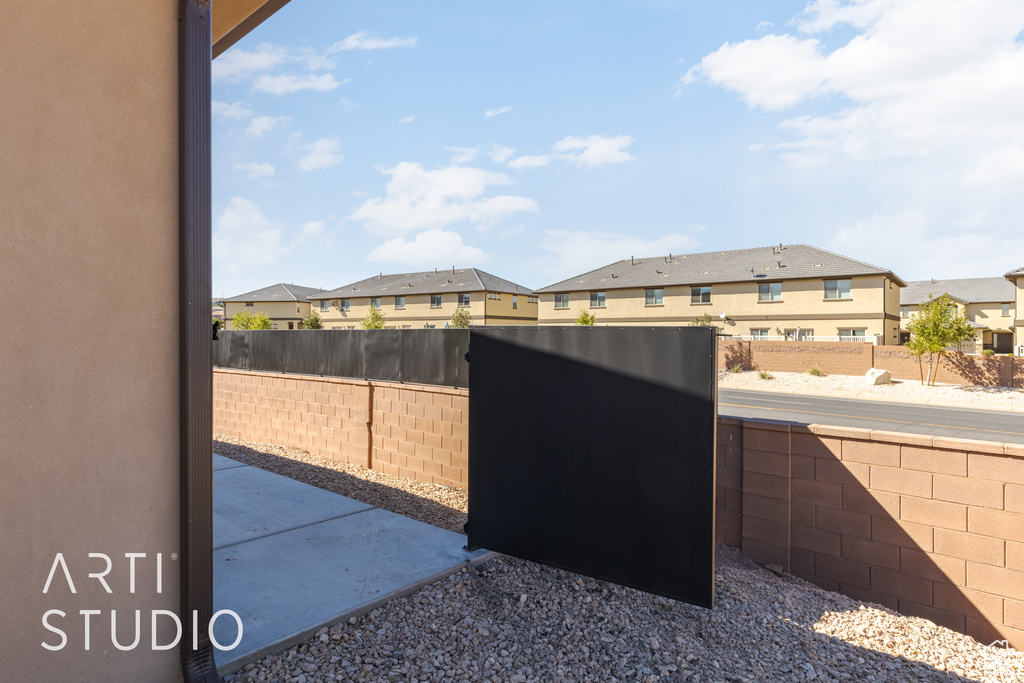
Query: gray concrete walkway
[290, 558]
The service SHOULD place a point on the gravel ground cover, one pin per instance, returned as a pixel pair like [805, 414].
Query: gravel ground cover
[908, 390]
[513, 620]
[517, 621]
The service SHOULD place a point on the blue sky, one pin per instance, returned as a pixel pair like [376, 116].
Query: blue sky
[538, 140]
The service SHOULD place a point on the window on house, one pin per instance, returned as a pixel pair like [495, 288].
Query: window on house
[346, 304]
[399, 302]
[799, 334]
[428, 326]
[904, 311]
[375, 302]
[850, 334]
[700, 295]
[463, 299]
[759, 332]
[291, 326]
[324, 305]
[837, 289]
[561, 301]
[654, 297]
[597, 299]
[1006, 310]
[273, 326]
[250, 303]
[515, 301]
[435, 301]
[769, 291]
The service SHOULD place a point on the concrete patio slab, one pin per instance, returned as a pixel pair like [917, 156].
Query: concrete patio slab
[222, 463]
[250, 503]
[291, 558]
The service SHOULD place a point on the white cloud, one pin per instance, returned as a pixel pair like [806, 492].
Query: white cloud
[920, 79]
[322, 154]
[495, 112]
[237, 110]
[915, 249]
[285, 84]
[408, 119]
[500, 153]
[364, 40]
[530, 161]
[462, 155]
[255, 171]
[595, 150]
[591, 151]
[347, 105]
[426, 249]
[418, 199]
[244, 237]
[236, 63]
[577, 252]
[311, 229]
[261, 125]
[763, 26]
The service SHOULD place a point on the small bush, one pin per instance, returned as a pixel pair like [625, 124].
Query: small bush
[816, 371]
[461, 318]
[736, 369]
[586, 318]
[988, 352]
[764, 374]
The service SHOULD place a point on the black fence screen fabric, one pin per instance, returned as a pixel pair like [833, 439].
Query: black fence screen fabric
[593, 449]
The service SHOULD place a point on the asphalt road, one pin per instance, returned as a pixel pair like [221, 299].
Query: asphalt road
[963, 423]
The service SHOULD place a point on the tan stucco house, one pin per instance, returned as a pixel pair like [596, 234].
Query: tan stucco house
[285, 305]
[794, 291]
[1017, 278]
[428, 299]
[105, 186]
[988, 302]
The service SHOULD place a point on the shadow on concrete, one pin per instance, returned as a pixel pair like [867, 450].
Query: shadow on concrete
[375, 493]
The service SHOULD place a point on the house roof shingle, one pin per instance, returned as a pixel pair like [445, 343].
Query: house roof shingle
[278, 292]
[762, 264]
[1015, 273]
[428, 282]
[968, 290]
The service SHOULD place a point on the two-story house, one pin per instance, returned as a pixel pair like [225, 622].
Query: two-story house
[1017, 278]
[285, 305]
[795, 292]
[428, 300]
[988, 302]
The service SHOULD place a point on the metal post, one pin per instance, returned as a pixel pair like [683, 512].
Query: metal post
[196, 415]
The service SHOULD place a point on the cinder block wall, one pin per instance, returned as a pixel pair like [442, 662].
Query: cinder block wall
[856, 358]
[418, 432]
[929, 526]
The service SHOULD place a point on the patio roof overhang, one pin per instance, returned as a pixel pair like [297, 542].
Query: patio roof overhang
[233, 19]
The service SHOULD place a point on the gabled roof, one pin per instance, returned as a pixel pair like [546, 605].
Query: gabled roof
[763, 264]
[1015, 273]
[429, 282]
[968, 291]
[278, 292]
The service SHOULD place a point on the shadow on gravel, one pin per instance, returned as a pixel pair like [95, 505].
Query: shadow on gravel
[379, 495]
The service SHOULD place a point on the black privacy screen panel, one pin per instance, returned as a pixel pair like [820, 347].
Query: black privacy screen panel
[593, 449]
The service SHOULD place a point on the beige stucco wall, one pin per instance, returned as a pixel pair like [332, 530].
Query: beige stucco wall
[1018, 333]
[499, 311]
[803, 306]
[418, 312]
[88, 403]
[280, 312]
[987, 313]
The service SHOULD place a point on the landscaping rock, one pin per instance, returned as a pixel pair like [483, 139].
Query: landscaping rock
[875, 376]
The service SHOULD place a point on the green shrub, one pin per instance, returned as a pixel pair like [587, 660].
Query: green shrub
[988, 352]
[585, 318]
[461, 318]
[701, 321]
[764, 374]
[374, 320]
[313, 321]
[736, 369]
[243, 320]
[816, 371]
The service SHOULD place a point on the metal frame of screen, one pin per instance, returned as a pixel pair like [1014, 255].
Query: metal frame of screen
[593, 449]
